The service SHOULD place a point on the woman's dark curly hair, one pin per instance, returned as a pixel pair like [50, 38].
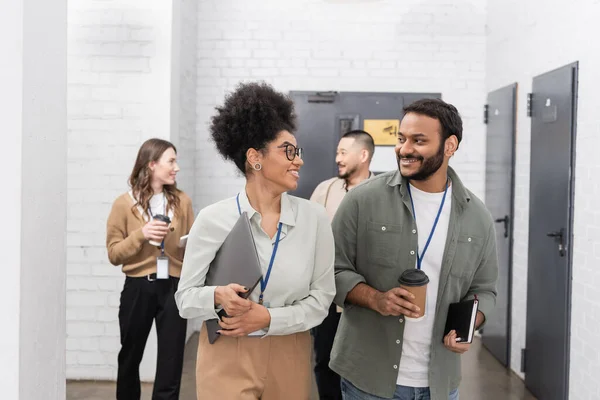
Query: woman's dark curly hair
[251, 117]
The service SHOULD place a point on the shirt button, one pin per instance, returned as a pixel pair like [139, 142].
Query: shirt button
[383, 228]
[469, 239]
[401, 320]
[395, 367]
[412, 252]
[414, 231]
[398, 341]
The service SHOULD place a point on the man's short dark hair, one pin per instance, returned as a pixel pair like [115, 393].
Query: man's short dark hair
[445, 113]
[363, 138]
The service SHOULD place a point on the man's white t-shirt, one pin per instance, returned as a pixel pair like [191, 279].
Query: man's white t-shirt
[416, 346]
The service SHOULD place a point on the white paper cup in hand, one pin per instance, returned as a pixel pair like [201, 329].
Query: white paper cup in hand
[163, 218]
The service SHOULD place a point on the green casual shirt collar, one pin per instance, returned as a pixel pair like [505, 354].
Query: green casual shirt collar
[459, 192]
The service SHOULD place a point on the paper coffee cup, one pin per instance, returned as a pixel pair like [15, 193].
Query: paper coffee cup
[163, 218]
[415, 281]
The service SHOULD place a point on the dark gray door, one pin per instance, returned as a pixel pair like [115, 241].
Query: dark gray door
[550, 232]
[499, 195]
[316, 127]
[324, 117]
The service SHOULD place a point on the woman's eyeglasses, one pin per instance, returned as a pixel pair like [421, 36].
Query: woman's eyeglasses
[292, 151]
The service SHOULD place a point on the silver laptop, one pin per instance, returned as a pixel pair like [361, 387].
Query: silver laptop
[235, 262]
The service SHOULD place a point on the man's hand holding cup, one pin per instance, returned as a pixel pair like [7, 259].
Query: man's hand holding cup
[396, 301]
[414, 281]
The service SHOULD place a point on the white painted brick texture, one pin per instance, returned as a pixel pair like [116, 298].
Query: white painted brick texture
[527, 39]
[388, 46]
[118, 57]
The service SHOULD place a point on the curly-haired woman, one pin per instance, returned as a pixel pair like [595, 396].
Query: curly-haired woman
[264, 351]
[152, 272]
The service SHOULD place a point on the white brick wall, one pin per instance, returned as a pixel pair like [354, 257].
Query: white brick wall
[527, 39]
[389, 46]
[118, 96]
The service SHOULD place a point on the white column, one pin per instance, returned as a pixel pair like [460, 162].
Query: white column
[11, 47]
[184, 69]
[33, 201]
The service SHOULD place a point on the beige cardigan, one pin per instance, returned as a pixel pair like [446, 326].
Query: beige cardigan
[126, 243]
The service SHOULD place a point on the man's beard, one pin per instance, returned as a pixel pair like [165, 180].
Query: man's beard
[349, 172]
[429, 166]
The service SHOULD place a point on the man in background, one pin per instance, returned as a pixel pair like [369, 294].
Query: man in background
[353, 157]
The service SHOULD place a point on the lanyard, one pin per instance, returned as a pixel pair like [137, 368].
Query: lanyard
[162, 244]
[265, 281]
[437, 217]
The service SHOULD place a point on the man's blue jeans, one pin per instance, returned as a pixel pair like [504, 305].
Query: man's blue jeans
[351, 392]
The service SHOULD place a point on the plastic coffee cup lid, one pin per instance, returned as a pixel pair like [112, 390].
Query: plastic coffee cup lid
[413, 277]
[163, 218]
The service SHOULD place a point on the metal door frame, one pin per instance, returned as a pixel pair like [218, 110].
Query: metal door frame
[571, 219]
[511, 227]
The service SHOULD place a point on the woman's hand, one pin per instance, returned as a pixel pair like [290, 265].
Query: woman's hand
[228, 297]
[155, 230]
[257, 318]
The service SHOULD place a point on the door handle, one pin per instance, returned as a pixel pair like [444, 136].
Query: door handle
[558, 238]
[505, 220]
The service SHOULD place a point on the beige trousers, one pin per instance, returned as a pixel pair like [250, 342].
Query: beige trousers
[251, 368]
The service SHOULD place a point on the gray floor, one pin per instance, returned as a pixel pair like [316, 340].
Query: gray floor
[483, 378]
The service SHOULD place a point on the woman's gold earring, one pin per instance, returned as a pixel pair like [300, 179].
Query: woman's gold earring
[257, 167]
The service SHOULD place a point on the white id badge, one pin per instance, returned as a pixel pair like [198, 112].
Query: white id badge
[162, 267]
